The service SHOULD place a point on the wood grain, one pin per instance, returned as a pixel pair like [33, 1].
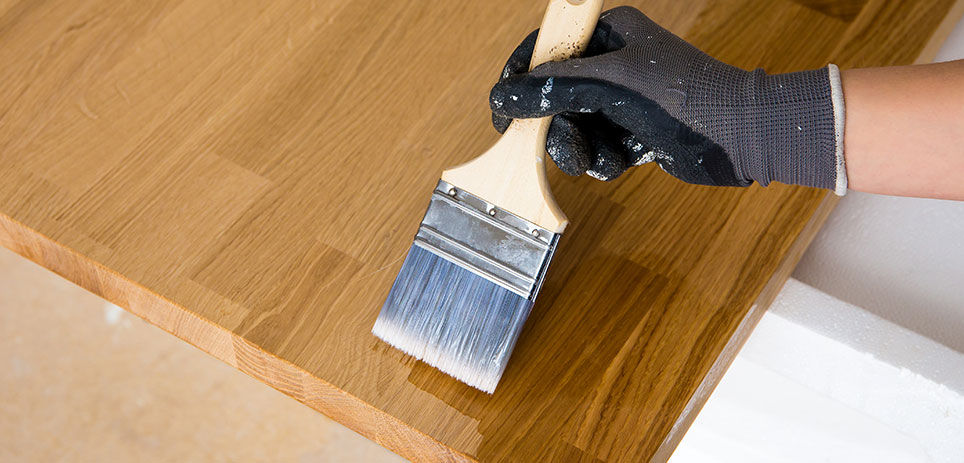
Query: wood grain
[248, 176]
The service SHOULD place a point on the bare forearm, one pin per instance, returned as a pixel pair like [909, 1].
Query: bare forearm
[904, 131]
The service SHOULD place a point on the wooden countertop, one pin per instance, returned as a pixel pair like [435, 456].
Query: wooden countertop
[248, 176]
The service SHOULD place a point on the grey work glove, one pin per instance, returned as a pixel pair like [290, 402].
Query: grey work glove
[641, 94]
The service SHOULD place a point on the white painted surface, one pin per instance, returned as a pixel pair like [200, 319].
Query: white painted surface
[953, 47]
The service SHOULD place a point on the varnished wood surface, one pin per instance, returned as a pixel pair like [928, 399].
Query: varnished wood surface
[249, 175]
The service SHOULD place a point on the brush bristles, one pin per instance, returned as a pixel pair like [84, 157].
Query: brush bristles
[452, 319]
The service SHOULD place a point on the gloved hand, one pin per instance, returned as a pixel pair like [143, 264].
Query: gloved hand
[641, 94]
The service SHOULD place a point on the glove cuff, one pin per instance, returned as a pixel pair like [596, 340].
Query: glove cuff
[836, 97]
[793, 129]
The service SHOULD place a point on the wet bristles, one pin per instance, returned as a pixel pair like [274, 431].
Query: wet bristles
[452, 319]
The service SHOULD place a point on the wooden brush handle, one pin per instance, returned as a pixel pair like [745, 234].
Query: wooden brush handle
[566, 29]
[512, 174]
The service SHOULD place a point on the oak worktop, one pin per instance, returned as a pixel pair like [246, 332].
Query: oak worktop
[249, 175]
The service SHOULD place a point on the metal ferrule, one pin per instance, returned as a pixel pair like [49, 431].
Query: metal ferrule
[486, 240]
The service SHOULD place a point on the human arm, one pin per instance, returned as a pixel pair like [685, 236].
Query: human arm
[905, 130]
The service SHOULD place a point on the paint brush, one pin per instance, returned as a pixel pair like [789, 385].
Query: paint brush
[483, 248]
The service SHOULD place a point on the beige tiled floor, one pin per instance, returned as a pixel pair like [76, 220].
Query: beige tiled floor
[83, 380]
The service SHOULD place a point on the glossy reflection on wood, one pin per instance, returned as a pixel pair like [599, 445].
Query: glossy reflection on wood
[249, 176]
